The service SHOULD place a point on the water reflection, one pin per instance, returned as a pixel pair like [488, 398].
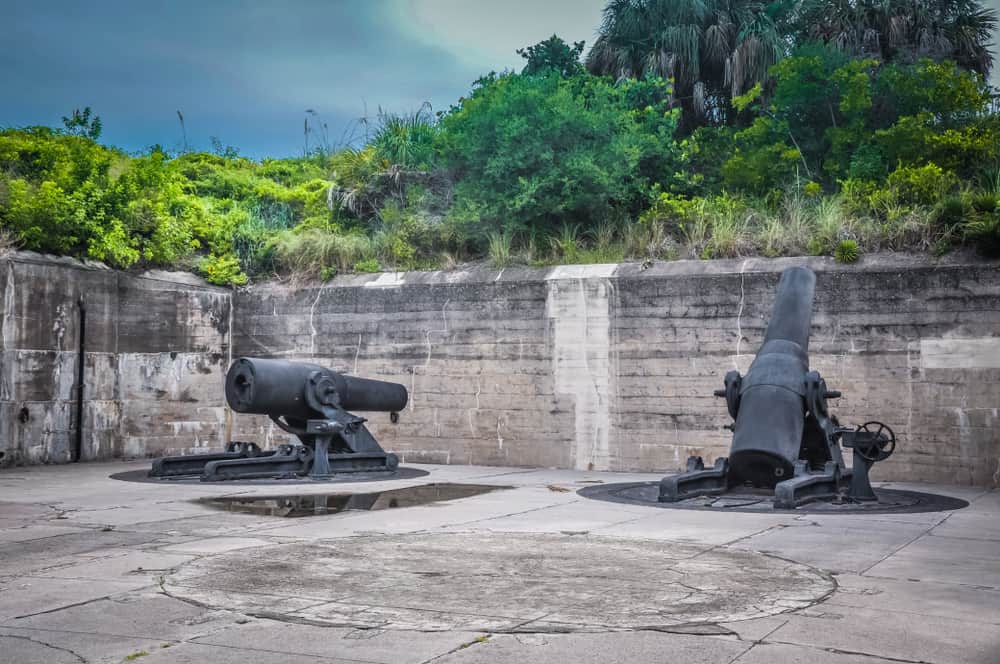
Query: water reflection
[331, 503]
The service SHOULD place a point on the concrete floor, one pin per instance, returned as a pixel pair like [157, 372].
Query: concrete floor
[97, 570]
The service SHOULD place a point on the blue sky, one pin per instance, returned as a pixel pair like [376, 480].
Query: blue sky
[246, 71]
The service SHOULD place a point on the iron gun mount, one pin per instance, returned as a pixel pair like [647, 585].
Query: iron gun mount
[309, 402]
[784, 438]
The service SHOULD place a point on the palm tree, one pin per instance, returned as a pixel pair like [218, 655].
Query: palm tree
[713, 50]
[905, 30]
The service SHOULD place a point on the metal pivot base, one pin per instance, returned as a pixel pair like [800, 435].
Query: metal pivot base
[807, 486]
[331, 447]
[300, 461]
[696, 481]
[861, 485]
[194, 464]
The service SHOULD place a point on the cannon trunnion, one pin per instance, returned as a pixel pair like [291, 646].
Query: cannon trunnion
[784, 438]
[305, 400]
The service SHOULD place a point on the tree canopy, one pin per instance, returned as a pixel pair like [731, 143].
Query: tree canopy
[698, 128]
[904, 30]
[715, 50]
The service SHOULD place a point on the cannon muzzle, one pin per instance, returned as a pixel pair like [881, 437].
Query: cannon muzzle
[301, 391]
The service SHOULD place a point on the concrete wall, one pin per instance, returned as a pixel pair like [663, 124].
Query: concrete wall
[156, 347]
[613, 367]
[610, 367]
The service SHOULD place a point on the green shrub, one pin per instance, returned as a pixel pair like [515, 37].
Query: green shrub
[950, 212]
[921, 185]
[535, 152]
[579, 168]
[407, 237]
[816, 247]
[407, 141]
[985, 202]
[762, 159]
[222, 270]
[857, 195]
[983, 233]
[670, 210]
[65, 194]
[847, 252]
[369, 265]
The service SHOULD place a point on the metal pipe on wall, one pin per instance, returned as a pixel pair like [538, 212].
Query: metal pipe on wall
[80, 363]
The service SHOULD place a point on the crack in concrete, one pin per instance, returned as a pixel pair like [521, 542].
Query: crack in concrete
[476, 641]
[755, 643]
[739, 315]
[900, 548]
[47, 645]
[7, 329]
[428, 333]
[117, 635]
[970, 586]
[512, 472]
[361, 607]
[840, 651]
[61, 608]
[312, 326]
[357, 353]
[504, 516]
[335, 658]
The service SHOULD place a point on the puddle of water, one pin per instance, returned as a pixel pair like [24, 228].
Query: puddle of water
[331, 503]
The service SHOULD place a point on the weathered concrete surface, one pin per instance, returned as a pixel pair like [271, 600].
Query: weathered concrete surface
[609, 367]
[156, 347]
[85, 562]
[612, 367]
[531, 583]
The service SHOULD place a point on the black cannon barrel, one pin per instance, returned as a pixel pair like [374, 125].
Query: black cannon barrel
[278, 388]
[767, 435]
[791, 317]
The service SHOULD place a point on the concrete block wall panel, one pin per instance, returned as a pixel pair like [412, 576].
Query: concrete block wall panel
[612, 367]
[609, 367]
[173, 352]
[156, 348]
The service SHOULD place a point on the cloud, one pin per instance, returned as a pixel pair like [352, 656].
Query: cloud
[489, 33]
[244, 72]
[995, 77]
[247, 71]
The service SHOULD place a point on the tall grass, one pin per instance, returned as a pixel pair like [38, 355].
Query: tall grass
[566, 245]
[500, 249]
[718, 227]
[831, 224]
[253, 238]
[311, 252]
[407, 140]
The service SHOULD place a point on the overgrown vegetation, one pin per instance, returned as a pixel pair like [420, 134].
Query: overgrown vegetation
[690, 129]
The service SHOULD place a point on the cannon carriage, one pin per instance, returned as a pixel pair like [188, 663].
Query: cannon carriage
[784, 438]
[313, 404]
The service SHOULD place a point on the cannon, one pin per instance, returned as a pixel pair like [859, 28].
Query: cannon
[313, 404]
[784, 438]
